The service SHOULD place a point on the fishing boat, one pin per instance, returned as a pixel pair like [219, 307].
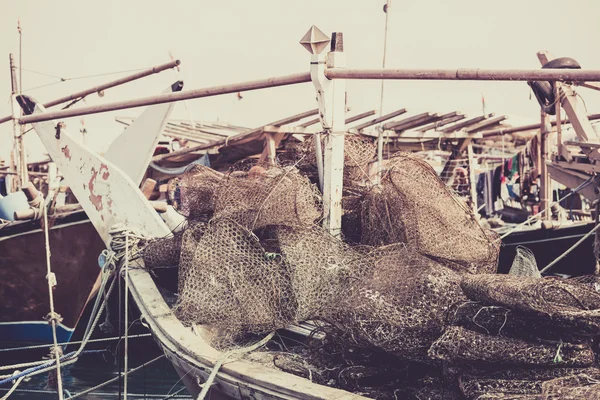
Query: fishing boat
[110, 197]
[74, 245]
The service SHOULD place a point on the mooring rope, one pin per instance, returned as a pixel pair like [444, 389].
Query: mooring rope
[41, 346]
[53, 317]
[228, 357]
[113, 379]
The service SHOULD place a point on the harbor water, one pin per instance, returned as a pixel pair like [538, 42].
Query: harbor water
[157, 380]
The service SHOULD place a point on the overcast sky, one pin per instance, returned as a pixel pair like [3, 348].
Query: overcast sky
[222, 42]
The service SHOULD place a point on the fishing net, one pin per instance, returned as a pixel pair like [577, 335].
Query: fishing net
[593, 281]
[227, 281]
[516, 381]
[322, 269]
[567, 304]
[253, 259]
[163, 252]
[359, 152]
[460, 345]
[401, 307]
[498, 320]
[574, 387]
[413, 206]
[524, 263]
[262, 197]
[197, 188]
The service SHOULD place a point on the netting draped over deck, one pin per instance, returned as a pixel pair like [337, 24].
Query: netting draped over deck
[416, 282]
[413, 206]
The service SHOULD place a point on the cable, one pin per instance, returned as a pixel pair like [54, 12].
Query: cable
[570, 249]
[113, 379]
[81, 77]
[41, 346]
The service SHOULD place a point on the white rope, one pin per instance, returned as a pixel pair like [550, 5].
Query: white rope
[53, 316]
[228, 357]
[48, 369]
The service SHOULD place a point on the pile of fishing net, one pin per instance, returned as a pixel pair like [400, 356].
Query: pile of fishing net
[418, 288]
[521, 337]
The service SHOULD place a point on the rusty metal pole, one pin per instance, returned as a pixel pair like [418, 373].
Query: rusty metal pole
[293, 79]
[545, 181]
[108, 85]
[13, 179]
[467, 74]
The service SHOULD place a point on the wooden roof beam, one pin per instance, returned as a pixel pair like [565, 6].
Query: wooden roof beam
[376, 121]
[442, 122]
[485, 123]
[348, 120]
[241, 138]
[394, 124]
[466, 123]
[418, 122]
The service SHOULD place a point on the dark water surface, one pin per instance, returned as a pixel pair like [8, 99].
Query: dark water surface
[155, 381]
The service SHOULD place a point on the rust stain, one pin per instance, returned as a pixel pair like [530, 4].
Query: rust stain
[105, 174]
[94, 198]
[66, 151]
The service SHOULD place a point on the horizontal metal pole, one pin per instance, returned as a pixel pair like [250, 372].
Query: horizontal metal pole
[523, 128]
[574, 75]
[108, 85]
[171, 97]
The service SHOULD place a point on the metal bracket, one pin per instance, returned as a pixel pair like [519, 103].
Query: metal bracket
[59, 127]
[323, 87]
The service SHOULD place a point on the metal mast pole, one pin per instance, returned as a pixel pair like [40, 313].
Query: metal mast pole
[386, 9]
[22, 166]
[13, 179]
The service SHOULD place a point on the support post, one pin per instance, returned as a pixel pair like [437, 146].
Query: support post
[472, 183]
[271, 148]
[331, 98]
[334, 143]
[545, 182]
[386, 9]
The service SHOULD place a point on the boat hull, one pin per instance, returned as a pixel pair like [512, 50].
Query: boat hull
[548, 244]
[24, 300]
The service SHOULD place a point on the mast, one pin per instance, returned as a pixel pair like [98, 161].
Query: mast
[386, 9]
[17, 151]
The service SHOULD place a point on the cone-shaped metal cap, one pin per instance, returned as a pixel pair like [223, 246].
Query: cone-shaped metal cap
[314, 40]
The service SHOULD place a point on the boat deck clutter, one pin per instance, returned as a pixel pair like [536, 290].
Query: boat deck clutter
[411, 307]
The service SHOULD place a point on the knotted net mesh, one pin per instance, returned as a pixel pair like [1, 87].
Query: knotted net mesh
[412, 278]
[413, 206]
[568, 304]
[574, 387]
[524, 263]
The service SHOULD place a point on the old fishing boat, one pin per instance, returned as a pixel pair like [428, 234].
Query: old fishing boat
[405, 317]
